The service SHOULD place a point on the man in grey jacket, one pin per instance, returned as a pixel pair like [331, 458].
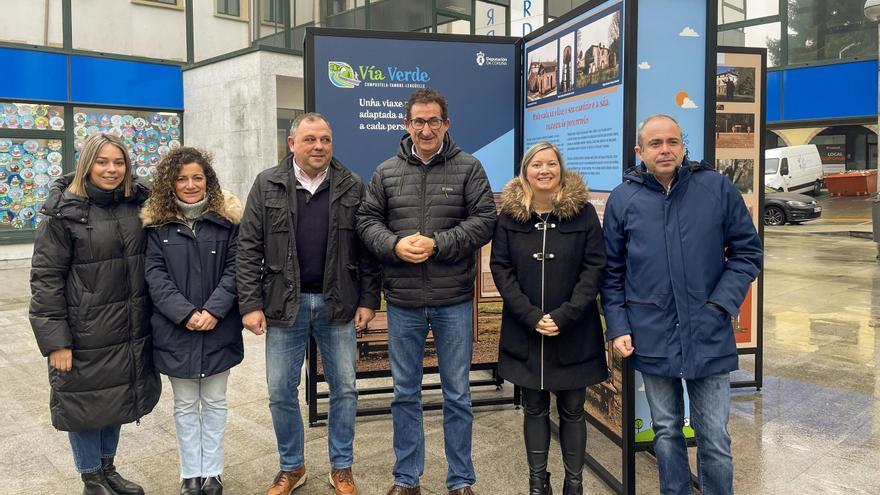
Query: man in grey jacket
[426, 212]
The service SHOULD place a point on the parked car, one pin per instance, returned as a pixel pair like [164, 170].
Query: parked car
[782, 207]
[793, 169]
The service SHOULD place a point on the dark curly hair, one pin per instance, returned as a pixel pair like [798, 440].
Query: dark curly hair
[162, 193]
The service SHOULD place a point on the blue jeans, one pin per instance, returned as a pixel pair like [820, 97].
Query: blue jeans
[452, 327]
[710, 411]
[90, 446]
[200, 429]
[285, 352]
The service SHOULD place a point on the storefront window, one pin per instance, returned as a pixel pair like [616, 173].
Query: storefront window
[31, 116]
[820, 30]
[27, 169]
[743, 10]
[490, 19]
[147, 135]
[760, 36]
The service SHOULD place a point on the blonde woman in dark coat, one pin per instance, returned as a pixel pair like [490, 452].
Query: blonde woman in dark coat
[547, 262]
[90, 310]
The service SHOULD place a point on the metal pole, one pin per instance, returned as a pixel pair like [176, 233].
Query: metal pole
[872, 12]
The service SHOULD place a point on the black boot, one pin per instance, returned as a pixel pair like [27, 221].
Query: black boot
[96, 484]
[191, 486]
[212, 485]
[536, 432]
[120, 485]
[572, 439]
[540, 485]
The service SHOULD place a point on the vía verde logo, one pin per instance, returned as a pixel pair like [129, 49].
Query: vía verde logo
[342, 75]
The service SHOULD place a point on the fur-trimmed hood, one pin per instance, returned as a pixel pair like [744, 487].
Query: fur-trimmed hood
[232, 210]
[576, 196]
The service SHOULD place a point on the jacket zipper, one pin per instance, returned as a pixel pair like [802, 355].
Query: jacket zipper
[133, 374]
[422, 222]
[543, 258]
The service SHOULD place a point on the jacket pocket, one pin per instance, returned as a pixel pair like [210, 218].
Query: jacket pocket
[713, 332]
[651, 320]
[274, 293]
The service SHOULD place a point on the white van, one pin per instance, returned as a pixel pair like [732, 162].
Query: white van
[793, 169]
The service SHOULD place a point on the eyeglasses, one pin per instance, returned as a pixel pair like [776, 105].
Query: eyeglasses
[419, 124]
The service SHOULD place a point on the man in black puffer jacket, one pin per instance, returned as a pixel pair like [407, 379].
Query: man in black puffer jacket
[426, 212]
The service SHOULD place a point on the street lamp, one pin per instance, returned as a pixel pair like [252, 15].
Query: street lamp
[872, 12]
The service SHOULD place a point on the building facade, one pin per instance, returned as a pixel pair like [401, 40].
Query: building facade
[227, 76]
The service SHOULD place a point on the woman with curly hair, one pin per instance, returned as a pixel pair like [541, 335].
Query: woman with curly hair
[192, 234]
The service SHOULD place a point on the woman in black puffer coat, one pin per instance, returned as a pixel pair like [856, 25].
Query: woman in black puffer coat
[90, 310]
[547, 260]
[192, 235]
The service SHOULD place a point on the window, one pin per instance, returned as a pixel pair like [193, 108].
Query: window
[229, 7]
[271, 11]
[824, 30]
[760, 36]
[743, 10]
[175, 4]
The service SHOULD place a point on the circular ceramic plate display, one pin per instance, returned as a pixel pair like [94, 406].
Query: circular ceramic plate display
[174, 144]
[104, 120]
[163, 150]
[140, 148]
[56, 123]
[12, 121]
[128, 133]
[78, 145]
[25, 109]
[27, 122]
[153, 159]
[9, 108]
[156, 119]
[141, 160]
[54, 158]
[4, 188]
[128, 120]
[42, 192]
[92, 119]
[27, 161]
[174, 120]
[116, 120]
[54, 144]
[81, 132]
[152, 135]
[139, 123]
[41, 123]
[153, 171]
[174, 132]
[16, 151]
[5, 144]
[31, 146]
[14, 166]
[163, 128]
[41, 165]
[5, 159]
[142, 171]
[27, 214]
[152, 146]
[15, 194]
[28, 174]
[41, 110]
[55, 171]
[41, 180]
[41, 152]
[116, 131]
[163, 139]
[92, 129]
[79, 118]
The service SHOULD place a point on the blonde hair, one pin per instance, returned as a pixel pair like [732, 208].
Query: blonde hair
[528, 194]
[87, 158]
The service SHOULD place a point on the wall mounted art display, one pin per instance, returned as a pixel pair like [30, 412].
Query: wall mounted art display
[28, 116]
[147, 135]
[28, 167]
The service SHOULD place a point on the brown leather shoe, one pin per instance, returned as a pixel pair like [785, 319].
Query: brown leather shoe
[465, 490]
[342, 481]
[287, 481]
[402, 490]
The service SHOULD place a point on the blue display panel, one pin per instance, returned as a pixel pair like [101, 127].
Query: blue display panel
[361, 84]
[807, 92]
[33, 75]
[672, 66]
[774, 96]
[574, 93]
[125, 83]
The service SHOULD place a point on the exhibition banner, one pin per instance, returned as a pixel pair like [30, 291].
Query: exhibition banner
[361, 80]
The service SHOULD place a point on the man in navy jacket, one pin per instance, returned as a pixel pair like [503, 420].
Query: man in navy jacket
[681, 251]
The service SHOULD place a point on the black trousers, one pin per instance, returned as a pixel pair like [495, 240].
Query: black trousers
[572, 430]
